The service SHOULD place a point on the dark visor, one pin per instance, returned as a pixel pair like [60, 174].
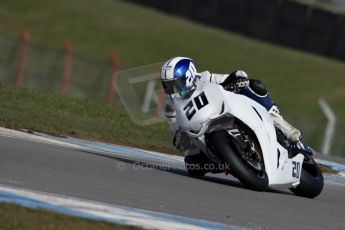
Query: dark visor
[168, 86]
[177, 85]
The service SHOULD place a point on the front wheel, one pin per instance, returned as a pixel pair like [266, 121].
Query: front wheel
[250, 170]
[311, 182]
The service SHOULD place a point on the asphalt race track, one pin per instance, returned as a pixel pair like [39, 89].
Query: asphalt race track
[134, 183]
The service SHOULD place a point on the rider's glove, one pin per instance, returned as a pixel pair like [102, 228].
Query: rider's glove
[242, 83]
[296, 147]
[236, 80]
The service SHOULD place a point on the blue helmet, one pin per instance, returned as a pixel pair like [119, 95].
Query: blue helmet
[178, 76]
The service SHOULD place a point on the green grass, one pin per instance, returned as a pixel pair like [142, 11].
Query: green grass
[142, 36]
[61, 115]
[18, 217]
[326, 169]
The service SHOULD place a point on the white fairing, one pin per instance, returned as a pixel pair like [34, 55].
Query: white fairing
[211, 101]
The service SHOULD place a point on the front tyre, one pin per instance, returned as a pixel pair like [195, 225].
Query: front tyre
[252, 177]
[311, 182]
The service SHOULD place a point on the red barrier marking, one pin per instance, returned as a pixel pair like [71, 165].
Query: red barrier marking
[67, 68]
[23, 57]
[116, 63]
[161, 100]
[161, 97]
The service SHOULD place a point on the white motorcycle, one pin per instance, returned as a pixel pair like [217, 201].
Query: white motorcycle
[232, 129]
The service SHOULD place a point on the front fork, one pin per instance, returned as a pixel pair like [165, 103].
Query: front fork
[240, 140]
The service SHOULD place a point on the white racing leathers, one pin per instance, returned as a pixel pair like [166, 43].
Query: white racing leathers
[183, 143]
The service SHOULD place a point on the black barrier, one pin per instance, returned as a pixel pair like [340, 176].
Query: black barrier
[290, 28]
[280, 21]
[320, 31]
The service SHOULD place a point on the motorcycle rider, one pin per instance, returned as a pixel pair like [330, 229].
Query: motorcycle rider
[178, 78]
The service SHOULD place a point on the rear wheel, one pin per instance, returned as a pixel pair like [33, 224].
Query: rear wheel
[247, 166]
[311, 182]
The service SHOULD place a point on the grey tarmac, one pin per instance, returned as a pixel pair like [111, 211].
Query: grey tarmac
[146, 184]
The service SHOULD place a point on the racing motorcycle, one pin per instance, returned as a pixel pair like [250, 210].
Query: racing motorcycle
[235, 131]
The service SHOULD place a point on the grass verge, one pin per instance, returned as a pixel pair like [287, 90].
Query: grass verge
[142, 36]
[18, 217]
[61, 115]
[326, 169]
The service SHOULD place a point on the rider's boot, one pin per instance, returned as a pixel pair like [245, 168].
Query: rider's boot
[292, 134]
[289, 131]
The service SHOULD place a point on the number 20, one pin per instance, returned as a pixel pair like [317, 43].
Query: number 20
[200, 102]
[296, 169]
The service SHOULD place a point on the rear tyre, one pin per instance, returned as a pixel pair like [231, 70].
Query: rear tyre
[241, 168]
[311, 182]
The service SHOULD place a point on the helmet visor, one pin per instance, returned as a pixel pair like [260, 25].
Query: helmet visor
[177, 85]
[168, 86]
[181, 87]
